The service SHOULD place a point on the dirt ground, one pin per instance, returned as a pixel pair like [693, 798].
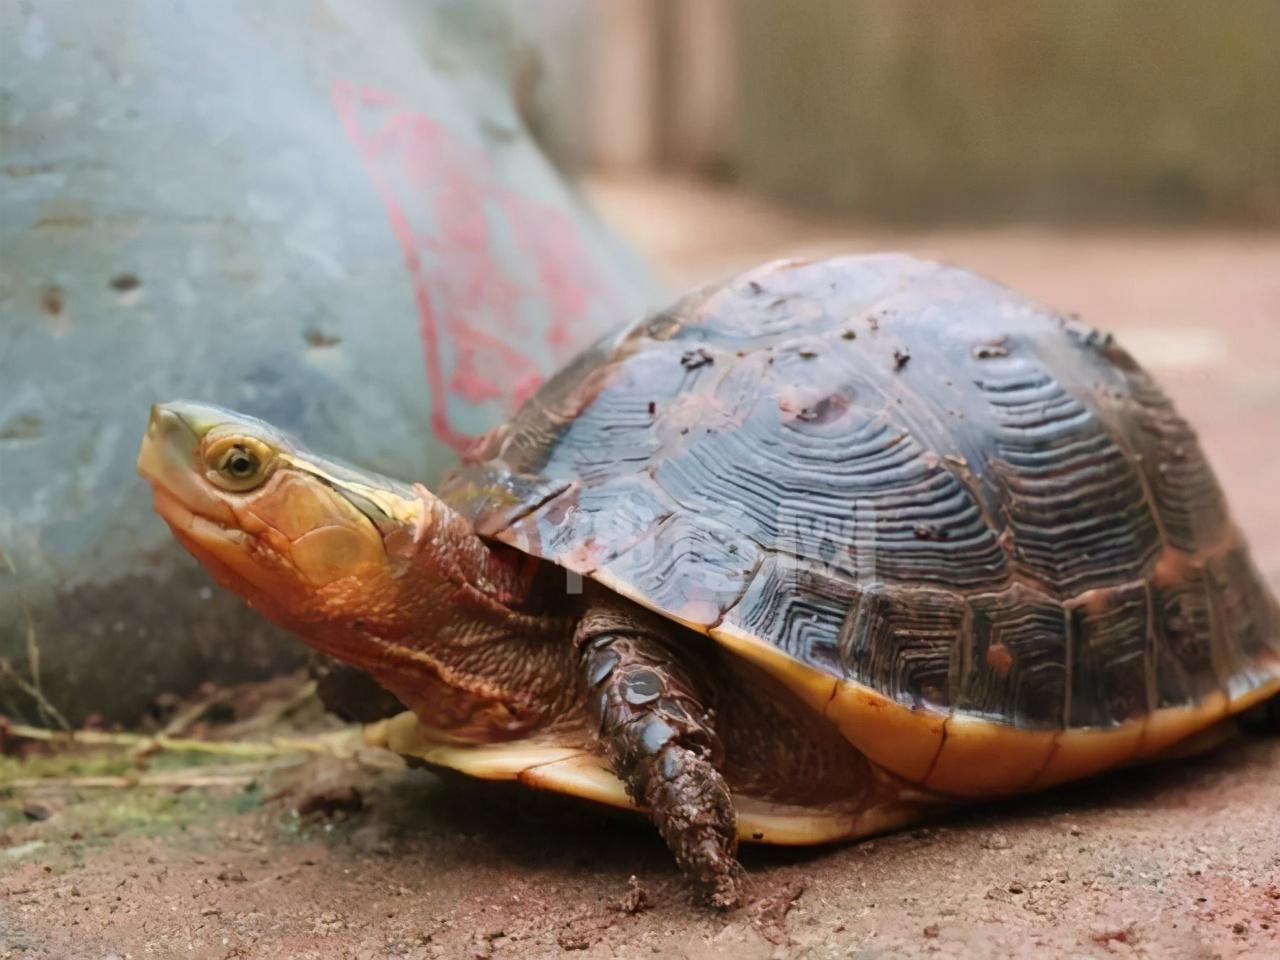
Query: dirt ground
[278, 855]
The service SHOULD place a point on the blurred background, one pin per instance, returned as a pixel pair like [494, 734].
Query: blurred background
[919, 112]
[379, 224]
[345, 217]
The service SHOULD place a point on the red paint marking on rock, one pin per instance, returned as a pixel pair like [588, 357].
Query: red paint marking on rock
[455, 221]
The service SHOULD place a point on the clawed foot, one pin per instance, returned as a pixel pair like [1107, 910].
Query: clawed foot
[694, 812]
[657, 732]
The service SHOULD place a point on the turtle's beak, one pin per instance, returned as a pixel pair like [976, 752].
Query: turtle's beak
[170, 443]
[167, 459]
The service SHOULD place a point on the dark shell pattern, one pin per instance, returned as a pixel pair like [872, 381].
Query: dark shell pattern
[900, 474]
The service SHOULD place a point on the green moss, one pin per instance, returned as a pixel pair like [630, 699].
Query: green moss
[250, 798]
[184, 760]
[96, 814]
[147, 812]
[112, 762]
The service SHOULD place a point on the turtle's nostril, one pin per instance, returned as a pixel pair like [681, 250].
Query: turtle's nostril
[168, 443]
[166, 420]
[160, 424]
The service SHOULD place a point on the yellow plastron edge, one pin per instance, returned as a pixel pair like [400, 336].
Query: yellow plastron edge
[577, 773]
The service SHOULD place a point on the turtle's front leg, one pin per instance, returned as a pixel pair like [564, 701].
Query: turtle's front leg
[652, 720]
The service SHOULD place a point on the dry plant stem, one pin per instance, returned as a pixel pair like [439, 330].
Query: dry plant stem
[266, 719]
[193, 712]
[46, 708]
[168, 780]
[328, 744]
[232, 775]
[183, 719]
[263, 721]
[31, 687]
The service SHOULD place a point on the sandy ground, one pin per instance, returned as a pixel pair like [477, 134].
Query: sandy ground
[1179, 861]
[1174, 861]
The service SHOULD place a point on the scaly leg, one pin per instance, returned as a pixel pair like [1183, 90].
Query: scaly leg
[651, 717]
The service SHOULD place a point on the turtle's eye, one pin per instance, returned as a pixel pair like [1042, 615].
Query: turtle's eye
[237, 463]
[240, 464]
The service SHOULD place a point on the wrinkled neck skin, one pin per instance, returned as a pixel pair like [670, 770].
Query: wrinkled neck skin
[457, 628]
[474, 648]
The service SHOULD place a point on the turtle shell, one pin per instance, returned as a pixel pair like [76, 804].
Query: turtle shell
[974, 533]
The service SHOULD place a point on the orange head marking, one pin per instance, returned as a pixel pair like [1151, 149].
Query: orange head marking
[319, 547]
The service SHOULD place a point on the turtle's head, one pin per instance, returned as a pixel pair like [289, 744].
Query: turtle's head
[319, 547]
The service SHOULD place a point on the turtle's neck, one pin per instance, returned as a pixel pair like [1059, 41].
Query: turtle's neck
[479, 645]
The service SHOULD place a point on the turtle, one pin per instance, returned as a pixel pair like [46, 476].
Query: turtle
[815, 553]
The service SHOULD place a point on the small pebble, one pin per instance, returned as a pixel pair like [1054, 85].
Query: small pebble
[326, 803]
[997, 841]
[38, 810]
